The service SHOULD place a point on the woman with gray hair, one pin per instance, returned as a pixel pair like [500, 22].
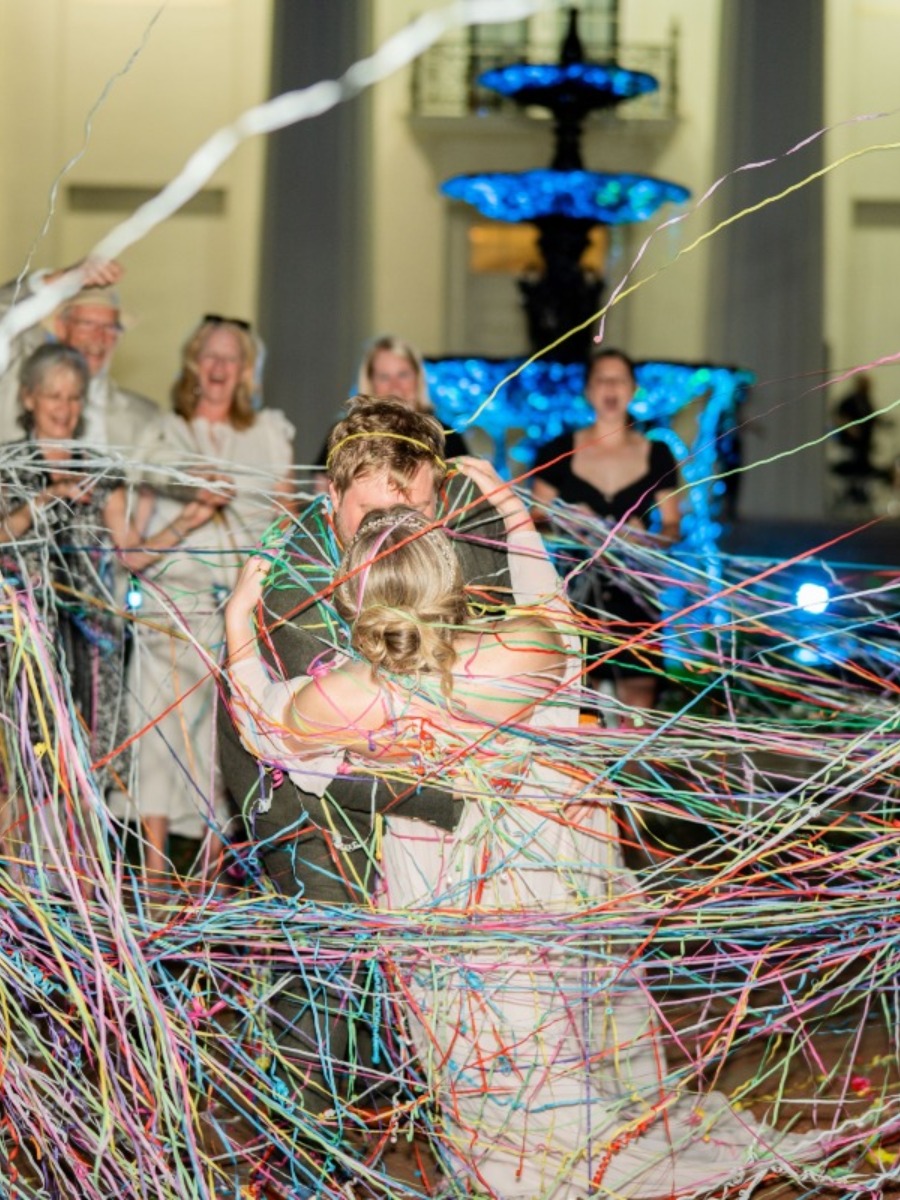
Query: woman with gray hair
[64, 522]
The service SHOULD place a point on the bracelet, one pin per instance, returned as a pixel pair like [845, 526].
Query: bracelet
[179, 533]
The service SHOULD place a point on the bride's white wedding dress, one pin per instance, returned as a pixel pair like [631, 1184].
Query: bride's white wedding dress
[530, 1021]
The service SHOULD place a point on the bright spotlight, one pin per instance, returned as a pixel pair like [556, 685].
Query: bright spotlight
[812, 597]
[807, 656]
[134, 597]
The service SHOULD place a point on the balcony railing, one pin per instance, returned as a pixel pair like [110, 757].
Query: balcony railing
[444, 81]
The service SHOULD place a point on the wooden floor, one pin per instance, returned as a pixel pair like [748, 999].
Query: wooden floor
[408, 1167]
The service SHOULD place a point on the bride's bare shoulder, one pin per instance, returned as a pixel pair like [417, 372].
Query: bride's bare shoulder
[525, 643]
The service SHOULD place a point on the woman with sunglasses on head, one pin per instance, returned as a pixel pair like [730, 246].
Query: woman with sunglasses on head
[241, 458]
[533, 1028]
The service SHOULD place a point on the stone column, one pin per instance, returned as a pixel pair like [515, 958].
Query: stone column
[314, 293]
[766, 295]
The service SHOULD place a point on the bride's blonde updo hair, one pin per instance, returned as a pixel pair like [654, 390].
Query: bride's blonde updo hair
[401, 591]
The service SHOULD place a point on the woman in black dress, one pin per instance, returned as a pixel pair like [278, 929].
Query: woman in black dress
[612, 471]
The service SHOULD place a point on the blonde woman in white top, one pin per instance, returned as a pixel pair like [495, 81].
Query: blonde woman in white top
[242, 458]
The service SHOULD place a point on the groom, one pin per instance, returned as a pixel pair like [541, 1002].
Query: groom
[315, 837]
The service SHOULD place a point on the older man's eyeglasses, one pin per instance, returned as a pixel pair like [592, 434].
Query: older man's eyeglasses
[106, 328]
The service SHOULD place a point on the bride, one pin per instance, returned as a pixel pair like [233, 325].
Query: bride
[532, 1025]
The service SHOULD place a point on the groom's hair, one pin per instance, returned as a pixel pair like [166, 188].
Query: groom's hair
[384, 437]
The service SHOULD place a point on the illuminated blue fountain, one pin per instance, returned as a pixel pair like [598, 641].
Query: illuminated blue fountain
[576, 195]
[693, 408]
[565, 201]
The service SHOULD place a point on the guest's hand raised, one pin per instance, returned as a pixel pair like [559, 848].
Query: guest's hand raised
[97, 272]
[249, 587]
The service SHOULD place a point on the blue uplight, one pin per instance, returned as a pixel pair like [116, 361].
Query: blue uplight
[806, 656]
[521, 81]
[582, 195]
[134, 597]
[813, 597]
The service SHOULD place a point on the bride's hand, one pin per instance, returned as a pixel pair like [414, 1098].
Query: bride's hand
[496, 490]
[240, 637]
[248, 589]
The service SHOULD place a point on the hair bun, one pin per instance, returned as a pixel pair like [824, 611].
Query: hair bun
[390, 638]
[401, 591]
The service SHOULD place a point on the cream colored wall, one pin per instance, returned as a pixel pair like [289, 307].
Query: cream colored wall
[408, 276]
[30, 135]
[203, 63]
[666, 317]
[863, 257]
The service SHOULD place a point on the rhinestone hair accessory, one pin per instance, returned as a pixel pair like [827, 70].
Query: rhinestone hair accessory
[409, 520]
